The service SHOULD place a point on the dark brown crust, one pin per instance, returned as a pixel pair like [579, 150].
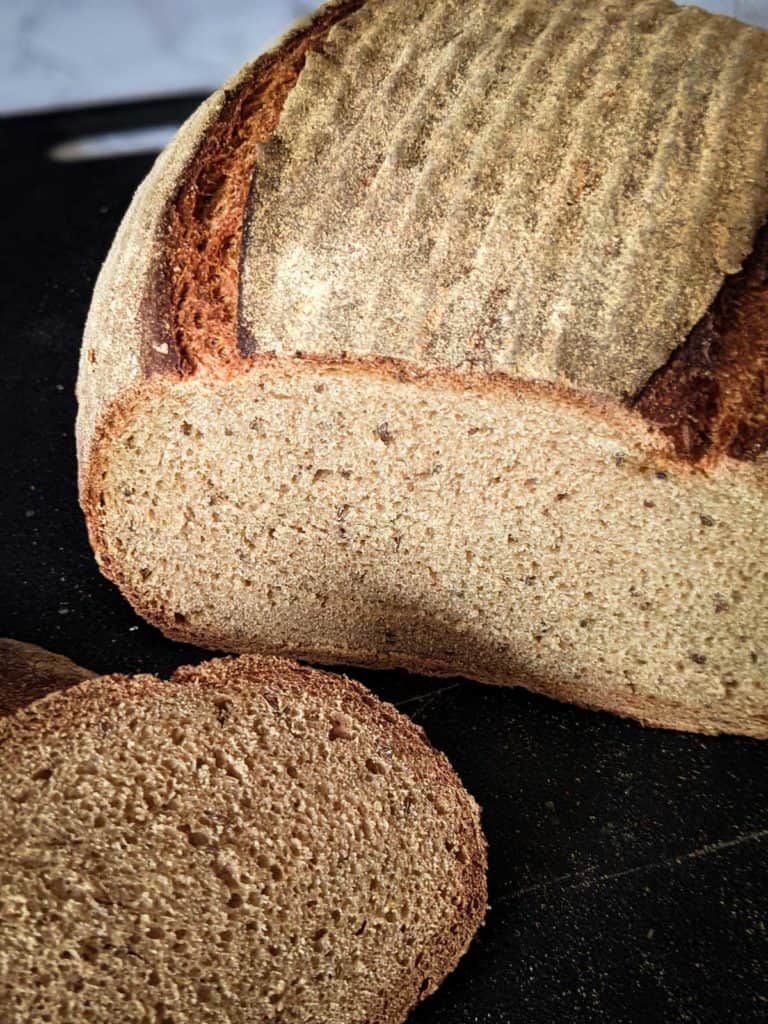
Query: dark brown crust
[263, 674]
[28, 672]
[195, 290]
[157, 353]
[711, 398]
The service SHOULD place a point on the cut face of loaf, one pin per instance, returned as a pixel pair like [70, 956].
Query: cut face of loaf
[250, 841]
[439, 338]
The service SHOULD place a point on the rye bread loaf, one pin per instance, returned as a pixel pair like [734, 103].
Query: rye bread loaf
[250, 841]
[438, 338]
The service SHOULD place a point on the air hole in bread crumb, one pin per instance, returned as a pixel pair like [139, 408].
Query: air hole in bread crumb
[222, 705]
[341, 728]
[42, 774]
[89, 951]
[199, 838]
[383, 433]
[227, 873]
[235, 901]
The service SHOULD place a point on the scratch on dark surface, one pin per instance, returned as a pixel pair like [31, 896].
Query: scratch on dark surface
[425, 700]
[586, 879]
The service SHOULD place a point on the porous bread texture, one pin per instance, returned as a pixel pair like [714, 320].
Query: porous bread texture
[252, 840]
[28, 672]
[350, 515]
[561, 545]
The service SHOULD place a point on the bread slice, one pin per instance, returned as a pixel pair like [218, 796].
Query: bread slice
[28, 672]
[434, 340]
[250, 841]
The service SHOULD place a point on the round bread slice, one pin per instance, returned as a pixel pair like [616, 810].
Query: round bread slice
[28, 672]
[251, 841]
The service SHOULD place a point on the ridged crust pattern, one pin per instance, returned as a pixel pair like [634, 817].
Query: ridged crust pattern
[554, 190]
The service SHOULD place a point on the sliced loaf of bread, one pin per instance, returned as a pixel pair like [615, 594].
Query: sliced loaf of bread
[249, 841]
[438, 338]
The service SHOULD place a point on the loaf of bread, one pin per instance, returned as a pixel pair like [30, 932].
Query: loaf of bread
[251, 841]
[438, 338]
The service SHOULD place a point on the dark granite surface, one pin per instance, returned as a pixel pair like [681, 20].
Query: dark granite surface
[628, 867]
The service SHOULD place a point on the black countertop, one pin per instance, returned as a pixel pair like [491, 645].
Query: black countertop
[628, 866]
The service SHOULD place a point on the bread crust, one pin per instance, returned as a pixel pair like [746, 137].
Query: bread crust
[28, 672]
[469, 211]
[96, 700]
[112, 394]
[711, 398]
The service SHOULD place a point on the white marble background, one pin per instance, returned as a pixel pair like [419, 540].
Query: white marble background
[56, 53]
